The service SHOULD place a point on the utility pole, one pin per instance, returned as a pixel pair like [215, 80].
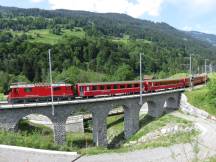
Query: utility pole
[210, 68]
[191, 71]
[141, 79]
[205, 71]
[51, 88]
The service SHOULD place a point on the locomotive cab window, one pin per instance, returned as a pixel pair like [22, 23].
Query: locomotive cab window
[27, 89]
[56, 88]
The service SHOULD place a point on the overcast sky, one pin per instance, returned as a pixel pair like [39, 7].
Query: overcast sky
[199, 15]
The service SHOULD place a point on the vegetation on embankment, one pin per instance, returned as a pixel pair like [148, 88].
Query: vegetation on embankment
[205, 97]
[211, 159]
[37, 136]
[2, 97]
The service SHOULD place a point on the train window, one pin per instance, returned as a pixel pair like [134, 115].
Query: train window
[115, 86]
[56, 88]
[27, 89]
[108, 86]
[94, 88]
[122, 86]
[102, 87]
[129, 85]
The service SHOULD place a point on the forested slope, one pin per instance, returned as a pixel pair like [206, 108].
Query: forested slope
[90, 46]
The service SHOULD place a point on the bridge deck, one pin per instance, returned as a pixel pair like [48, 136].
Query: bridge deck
[76, 101]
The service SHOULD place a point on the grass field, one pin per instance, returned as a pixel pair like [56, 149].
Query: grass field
[36, 136]
[45, 36]
[126, 40]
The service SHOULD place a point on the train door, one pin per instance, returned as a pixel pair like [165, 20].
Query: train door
[81, 90]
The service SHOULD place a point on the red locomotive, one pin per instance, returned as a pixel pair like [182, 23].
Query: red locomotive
[20, 93]
[39, 92]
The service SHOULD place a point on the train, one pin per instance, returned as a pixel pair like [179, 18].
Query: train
[25, 93]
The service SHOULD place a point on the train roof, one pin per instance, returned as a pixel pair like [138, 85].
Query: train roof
[125, 82]
[136, 81]
[25, 85]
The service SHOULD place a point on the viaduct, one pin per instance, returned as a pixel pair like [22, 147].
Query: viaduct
[10, 115]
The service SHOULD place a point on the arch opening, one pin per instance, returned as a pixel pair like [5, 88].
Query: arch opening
[115, 127]
[79, 128]
[35, 131]
[155, 109]
[35, 123]
[144, 117]
[170, 104]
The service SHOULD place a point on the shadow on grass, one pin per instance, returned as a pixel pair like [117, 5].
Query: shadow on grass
[120, 139]
[146, 120]
[116, 122]
[169, 110]
[81, 143]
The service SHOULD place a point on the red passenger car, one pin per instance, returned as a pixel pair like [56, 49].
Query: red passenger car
[126, 88]
[109, 88]
[39, 92]
[157, 85]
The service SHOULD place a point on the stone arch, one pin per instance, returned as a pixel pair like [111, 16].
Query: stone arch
[15, 117]
[144, 108]
[171, 104]
[79, 122]
[35, 118]
[115, 118]
[155, 108]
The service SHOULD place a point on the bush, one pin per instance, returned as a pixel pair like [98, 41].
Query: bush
[212, 87]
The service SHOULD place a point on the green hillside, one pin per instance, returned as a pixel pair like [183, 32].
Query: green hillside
[97, 44]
